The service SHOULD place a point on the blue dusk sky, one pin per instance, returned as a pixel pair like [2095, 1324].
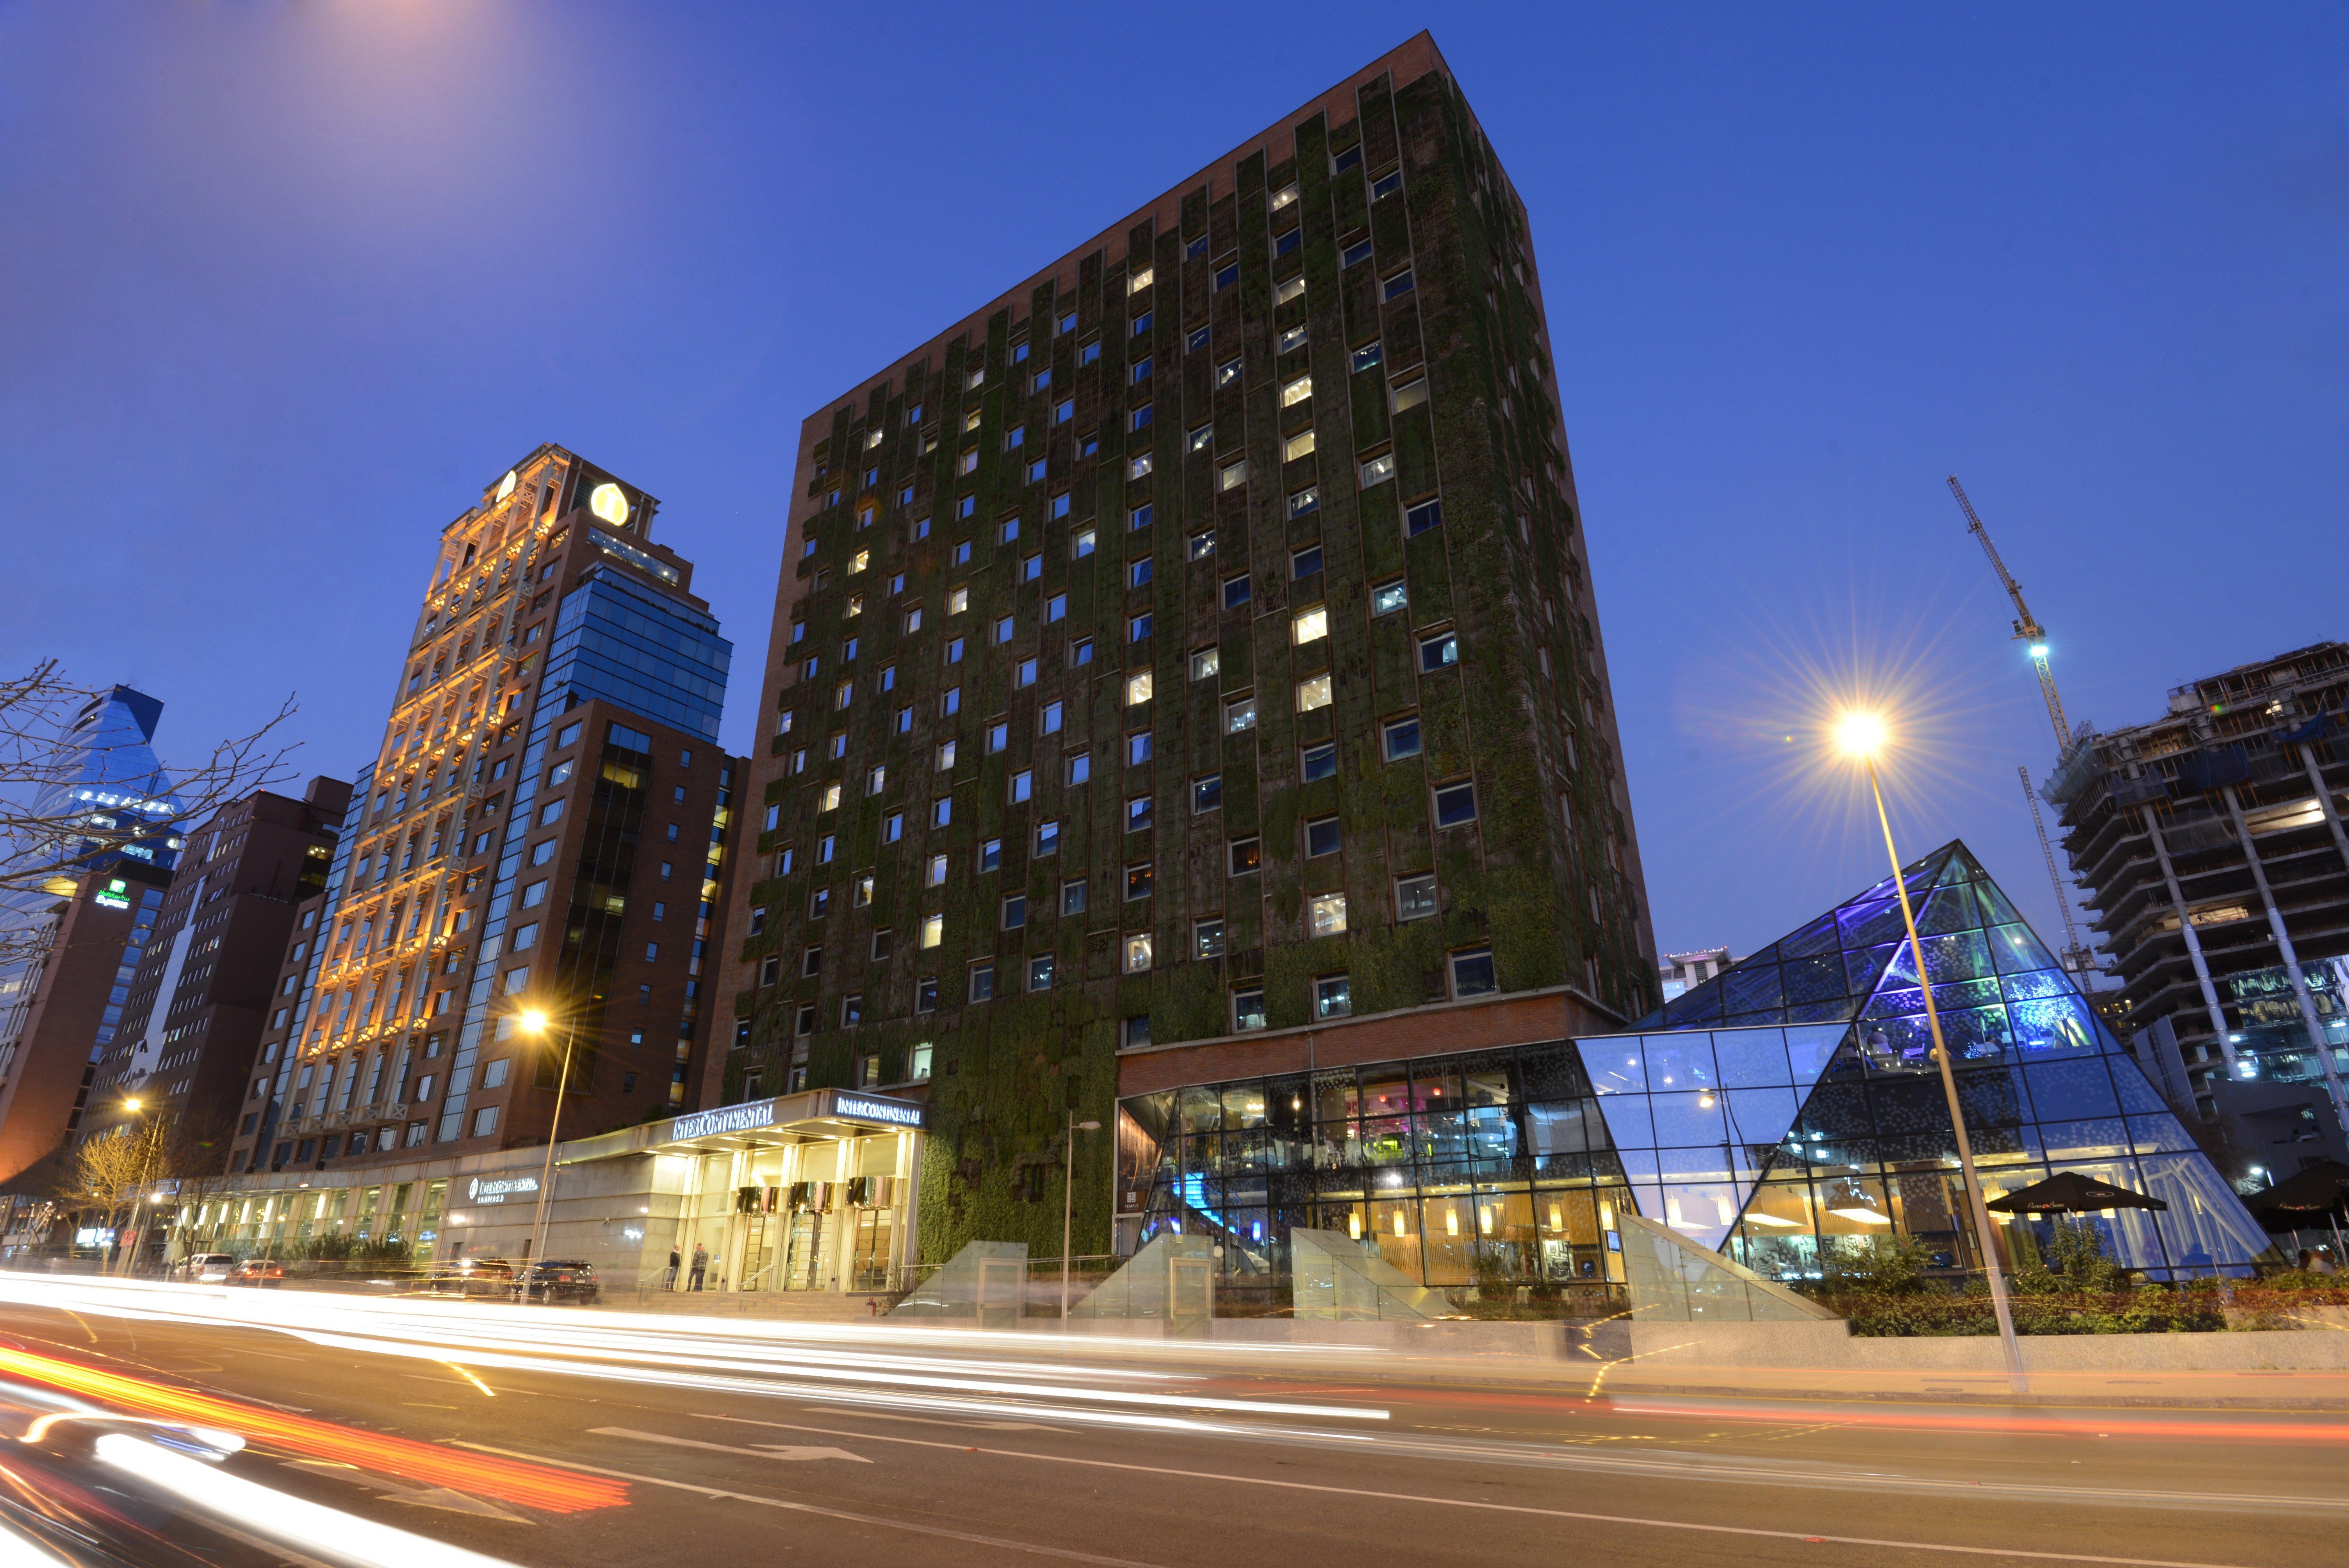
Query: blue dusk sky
[284, 287]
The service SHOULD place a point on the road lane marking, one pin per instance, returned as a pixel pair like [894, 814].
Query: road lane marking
[1752, 1531]
[469, 1378]
[764, 1451]
[927, 1421]
[764, 1501]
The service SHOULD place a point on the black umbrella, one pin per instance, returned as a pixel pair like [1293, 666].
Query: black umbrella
[2069, 1192]
[2312, 1195]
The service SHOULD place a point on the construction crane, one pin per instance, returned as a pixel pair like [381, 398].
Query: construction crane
[2076, 956]
[2027, 630]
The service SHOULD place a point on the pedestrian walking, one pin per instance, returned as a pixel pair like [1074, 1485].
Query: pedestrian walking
[701, 1264]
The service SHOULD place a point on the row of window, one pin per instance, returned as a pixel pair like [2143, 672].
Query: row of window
[1468, 972]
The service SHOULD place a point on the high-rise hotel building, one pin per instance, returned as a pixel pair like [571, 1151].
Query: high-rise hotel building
[1188, 662]
[542, 831]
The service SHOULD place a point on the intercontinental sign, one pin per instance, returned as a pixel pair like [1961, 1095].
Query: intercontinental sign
[495, 1188]
[725, 1119]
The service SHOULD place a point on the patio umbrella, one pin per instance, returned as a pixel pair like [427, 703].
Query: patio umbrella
[2315, 1193]
[2069, 1192]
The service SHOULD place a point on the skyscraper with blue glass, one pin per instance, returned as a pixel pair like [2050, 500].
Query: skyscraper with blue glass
[540, 833]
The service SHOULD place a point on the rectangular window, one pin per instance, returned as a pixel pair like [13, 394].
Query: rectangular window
[1333, 996]
[1080, 544]
[954, 650]
[1295, 447]
[1023, 673]
[935, 873]
[1471, 973]
[942, 811]
[1015, 912]
[1248, 855]
[1048, 838]
[990, 855]
[824, 847]
[1081, 767]
[1455, 804]
[1291, 341]
[1247, 1009]
[1295, 392]
[1308, 626]
[1064, 410]
[1438, 652]
[1137, 955]
[1139, 881]
[1137, 813]
[1139, 373]
[1137, 689]
[1202, 438]
[1080, 653]
[925, 1000]
[1072, 896]
[1140, 279]
[1039, 972]
[811, 963]
[1400, 737]
[1226, 373]
[1284, 292]
[1137, 627]
[1232, 475]
[1415, 896]
[1227, 275]
[950, 702]
[1207, 939]
[1395, 285]
[1239, 714]
[1386, 598]
[1023, 785]
[1359, 251]
[1140, 467]
[1319, 762]
[1203, 544]
[1426, 515]
[893, 827]
[946, 757]
[1377, 471]
[1410, 395]
[1323, 837]
[934, 927]
[1004, 626]
[830, 799]
[1205, 662]
[1048, 718]
[1056, 608]
[1206, 793]
[1235, 591]
[1305, 501]
[982, 982]
[1305, 563]
[1138, 517]
[1313, 692]
[1137, 748]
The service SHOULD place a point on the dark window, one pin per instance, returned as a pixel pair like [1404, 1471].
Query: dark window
[1396, 286]
[1138, 881]
[1321, 761]
[1305, 563]
[1400, 738]
[1440, 652]
[1357, 253]
[1248, 855]
[1322, 836]
[982, 982]
[1228, 274]
[1471, 973]
[1235, 591]
[1247, 1009]
[1427, 514]
[1207, 793]
[1455, 804]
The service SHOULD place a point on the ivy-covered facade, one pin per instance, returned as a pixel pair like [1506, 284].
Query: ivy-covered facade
[1197, 641]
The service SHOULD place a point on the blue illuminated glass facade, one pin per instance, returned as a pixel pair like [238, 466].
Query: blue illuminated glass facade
[621, 642]
[1786, 1110]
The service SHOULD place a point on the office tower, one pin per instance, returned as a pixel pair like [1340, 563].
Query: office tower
[539, 837]
[204, 986]
[105, 770]
[2211, 844]
[1194, 651]
[61, 1009]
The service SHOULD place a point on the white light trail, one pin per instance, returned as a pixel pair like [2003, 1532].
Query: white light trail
[311, 1528]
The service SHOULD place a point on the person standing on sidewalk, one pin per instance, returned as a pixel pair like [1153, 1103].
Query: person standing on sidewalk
[668, 1280]
[700, 1264]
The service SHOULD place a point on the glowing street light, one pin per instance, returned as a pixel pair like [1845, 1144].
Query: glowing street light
[1069, 1205]
[533, 1021]
[1863, 734]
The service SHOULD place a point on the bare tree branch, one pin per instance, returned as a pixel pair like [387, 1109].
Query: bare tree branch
[45, 834]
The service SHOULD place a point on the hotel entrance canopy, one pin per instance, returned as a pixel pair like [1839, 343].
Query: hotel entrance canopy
[818, 1115]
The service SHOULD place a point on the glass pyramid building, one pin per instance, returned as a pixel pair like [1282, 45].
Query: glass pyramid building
[105, 770]
[1791, 1105]
[1786, 1110]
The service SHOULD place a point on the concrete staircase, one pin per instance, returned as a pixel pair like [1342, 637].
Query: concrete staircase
[775, 1305]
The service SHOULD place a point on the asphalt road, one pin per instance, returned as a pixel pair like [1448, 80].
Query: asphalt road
[871, 1448]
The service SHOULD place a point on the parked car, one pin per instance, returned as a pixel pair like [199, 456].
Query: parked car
[556, 1279]
[204, 1268]
[470, 1277]
[258, 1271]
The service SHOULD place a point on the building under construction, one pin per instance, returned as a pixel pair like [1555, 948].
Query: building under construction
[2210, 843]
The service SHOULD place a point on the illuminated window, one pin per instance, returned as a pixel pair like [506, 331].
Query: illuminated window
[1310, 625]
[1137, 689]
[1313, 692]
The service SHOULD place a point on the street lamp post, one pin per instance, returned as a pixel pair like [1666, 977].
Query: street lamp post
[535, 1023]
[122, 1238]
[1069, 1203]
[1862, 735]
